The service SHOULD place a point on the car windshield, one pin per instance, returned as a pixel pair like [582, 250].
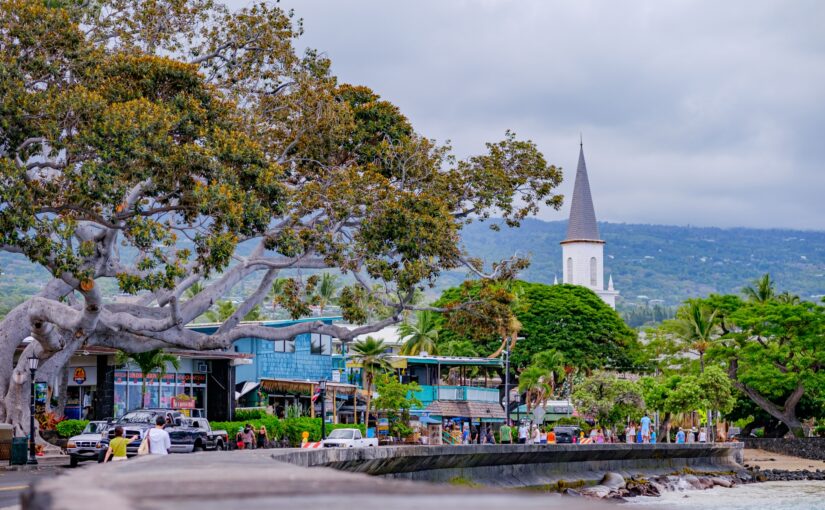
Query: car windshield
[341, 434]
[138, 417]
[93, 427]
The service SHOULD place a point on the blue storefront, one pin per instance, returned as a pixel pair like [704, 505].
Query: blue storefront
[305, 357]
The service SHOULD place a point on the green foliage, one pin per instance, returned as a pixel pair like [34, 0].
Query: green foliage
[609, 398]
[70, 428]
[420, 335]
[569, 319]
[250, 414]
[395, 401]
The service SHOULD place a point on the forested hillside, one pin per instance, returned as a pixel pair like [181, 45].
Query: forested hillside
[660, 262]
[667, 262]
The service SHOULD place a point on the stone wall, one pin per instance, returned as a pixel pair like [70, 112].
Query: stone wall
[808, 447]
[522, 465]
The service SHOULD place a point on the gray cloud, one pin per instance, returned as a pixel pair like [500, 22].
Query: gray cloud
[693, 112]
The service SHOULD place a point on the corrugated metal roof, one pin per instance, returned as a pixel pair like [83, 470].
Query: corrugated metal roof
[453, 409]
[582, 223]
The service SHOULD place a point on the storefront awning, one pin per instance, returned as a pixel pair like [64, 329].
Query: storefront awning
[247, 388]
[306, 387]
[450, 408]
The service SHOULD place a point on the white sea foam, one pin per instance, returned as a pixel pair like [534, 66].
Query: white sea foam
[768, 495]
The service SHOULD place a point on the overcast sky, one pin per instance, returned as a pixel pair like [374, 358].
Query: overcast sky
[693, 112]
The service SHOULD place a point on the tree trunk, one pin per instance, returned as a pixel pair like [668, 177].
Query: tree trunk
[664, 426]
[62, 387]
[786, 414]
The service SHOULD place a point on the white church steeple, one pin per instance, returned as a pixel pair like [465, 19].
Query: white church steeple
[583, 249]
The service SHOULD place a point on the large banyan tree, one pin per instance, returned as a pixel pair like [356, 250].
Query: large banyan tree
[176, 144]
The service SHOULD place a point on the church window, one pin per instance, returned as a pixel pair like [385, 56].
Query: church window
[570, 270]
[593, 268]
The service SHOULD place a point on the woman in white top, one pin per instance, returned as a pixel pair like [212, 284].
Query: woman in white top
[534, 435]
[631, 433]
[703, 435]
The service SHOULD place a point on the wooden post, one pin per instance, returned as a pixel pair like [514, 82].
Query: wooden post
[334, 407]
[311, 403]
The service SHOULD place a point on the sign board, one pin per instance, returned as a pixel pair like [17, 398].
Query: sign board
[383, 426]
[182, 402]
[79, 376]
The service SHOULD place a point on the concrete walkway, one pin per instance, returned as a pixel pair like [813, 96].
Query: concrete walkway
[253, 479]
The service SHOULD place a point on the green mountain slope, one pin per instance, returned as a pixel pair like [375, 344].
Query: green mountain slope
[661, 262]
[666, 262]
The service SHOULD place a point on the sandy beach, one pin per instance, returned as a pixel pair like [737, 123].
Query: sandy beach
[770, 460]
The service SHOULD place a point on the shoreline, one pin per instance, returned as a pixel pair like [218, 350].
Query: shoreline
[759, 466]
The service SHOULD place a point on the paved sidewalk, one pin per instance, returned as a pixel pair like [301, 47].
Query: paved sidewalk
[253, 479]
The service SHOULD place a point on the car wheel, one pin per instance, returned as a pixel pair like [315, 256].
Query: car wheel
[198, 447]
[73, 461]
[220, 446]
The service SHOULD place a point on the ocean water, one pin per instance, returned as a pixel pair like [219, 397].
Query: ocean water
[767, 495]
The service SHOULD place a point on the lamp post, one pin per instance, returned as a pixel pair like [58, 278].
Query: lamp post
[507, 387]
[34, 361]
[323, 387]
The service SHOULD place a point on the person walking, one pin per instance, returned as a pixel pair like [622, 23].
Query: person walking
[703, 435]
[248, 437]
[505, 434]
[646, 428]
[534, 434]
[490, 438]
[117, 446]
[652, 437]
[159, 441]
[523, 432]
[680, 436]
[263, 437]
[631, 433]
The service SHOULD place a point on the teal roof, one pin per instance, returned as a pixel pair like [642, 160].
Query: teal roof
[452, 361]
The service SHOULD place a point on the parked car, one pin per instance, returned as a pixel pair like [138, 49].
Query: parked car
[566, 434]
[348, 438]
[87, 445]
[183, 434]
[204, 439]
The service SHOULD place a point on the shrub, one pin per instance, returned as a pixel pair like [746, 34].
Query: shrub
[69, 428]
[292, 428]
[250, 414]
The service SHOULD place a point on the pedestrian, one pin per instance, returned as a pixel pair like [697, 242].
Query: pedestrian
[534, 434]
[600, 437]
[691, 435]
[465, 434]
[703, 435]
[680, 436]
[551, 437]
[117, 446]
[630, 431]
[646, 428]
[652, 437]
[490, 438]
[159, 442]
[239, 439]
[523, 431]
[474, 435]
[248, 437]
[593, 433]
[505, 434]
[263, 437]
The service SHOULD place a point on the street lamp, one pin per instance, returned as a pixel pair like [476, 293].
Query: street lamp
[323, 387]
[34, 361]
[507, 387]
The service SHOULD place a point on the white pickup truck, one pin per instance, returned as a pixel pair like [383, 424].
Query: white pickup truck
[348, 438]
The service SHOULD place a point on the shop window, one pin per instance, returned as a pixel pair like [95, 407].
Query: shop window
[321, 344]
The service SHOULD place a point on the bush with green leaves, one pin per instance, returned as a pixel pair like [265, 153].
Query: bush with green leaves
[291, 428]
[250, 414]
[70, 428]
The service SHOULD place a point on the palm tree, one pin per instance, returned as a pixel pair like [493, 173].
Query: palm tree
[148, 362]
[327, 291]
[223, 310]
[277, 290]
[193, 290]
[788, 299]
[695, 325]
[534, 380]
[372, 355]
[761, 291]
[420, 336]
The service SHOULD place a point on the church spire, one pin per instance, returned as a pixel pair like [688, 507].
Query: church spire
[582, 224]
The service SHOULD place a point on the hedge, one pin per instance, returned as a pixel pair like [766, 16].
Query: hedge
[70, 428]
[291, 428]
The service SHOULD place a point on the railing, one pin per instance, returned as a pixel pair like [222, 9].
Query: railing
[461, 393]
[448, 439]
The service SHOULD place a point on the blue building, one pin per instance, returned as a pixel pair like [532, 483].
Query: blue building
[298, 363]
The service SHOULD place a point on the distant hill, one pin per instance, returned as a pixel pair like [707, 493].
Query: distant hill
[666, 262]
[660, 262]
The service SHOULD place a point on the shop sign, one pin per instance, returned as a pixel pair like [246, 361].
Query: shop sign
[183, 401]
[79, 375]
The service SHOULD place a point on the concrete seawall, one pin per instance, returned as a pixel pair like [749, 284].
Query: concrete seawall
[521, 465]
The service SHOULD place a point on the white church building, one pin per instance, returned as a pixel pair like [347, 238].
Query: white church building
[583, 249]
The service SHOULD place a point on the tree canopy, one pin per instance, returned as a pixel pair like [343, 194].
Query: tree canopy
[569, 319]
[146, 141]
